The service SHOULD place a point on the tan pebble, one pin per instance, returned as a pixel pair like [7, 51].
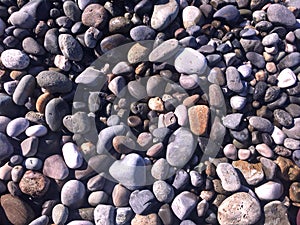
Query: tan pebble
[151, 219]
[156, 104]
[42, 101]
[198, 118]
[191, 100]
[288, 170]
[17, 75]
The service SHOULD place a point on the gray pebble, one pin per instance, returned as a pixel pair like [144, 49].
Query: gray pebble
[15, 59]
[163, 191]
[60, 214]
[33, 163]
[183, 204]
[234, 80]
[17, 126]
[261, 124]
[31, 46]
[229, 177]
[70, 47]
[24, 90]
[73, 194]
[142, 201]
[6, 147]
[123, 215]
[104, 215]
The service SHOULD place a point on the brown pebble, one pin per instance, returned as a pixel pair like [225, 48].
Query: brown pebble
[271, 67]
[123, 144]
[120, 196]
[191, 100]
[17, 75]
[34, 184]
[294, 192]
[150, 219]
[94, 15]
[198, 118]
[289, 170]
[17, 211]
[260, 75]
[155, 150]
[42, 101]
[134, 121]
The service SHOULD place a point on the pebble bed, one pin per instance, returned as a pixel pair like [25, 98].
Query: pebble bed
[150, 112]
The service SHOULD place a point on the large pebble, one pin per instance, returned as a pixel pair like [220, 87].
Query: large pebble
[31, 46]
[191, 16]
[104, 215]
[70, 47]
[229, 13]
[51, 41]
[198, 118]
[196, 64]
[261, 124]
[231, 212]
[269, 191]
[55, 167]
[60, 214]
[72, 156]
[94, 15]
[179, 152]
[253, 173]
[229, 177]
[142, 32]
[232, 121]
[16, 210]
[281, 15]
[163, 191]
[164, 13]
[123, 215]
[15, 59]
[286, 78]
[54, 82]
[164, 51]
[17, 126]
[24, 90]
[55, 111]
[276, 212]
[183, 204]
[36, 130]
[73, 193]
[142, 201]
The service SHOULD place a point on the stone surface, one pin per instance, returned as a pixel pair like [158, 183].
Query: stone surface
[164, 51]
[70, 47]
[276, 212]
[54, 82]
[228, 13]
[94, 15]
[269, 191]
[183, 204]
[279, 14]
[261, 124]
[55, 110]
[17, 126]
[104, 214]
[150, 219]
[142, 201]
[286, 78]
[253, 173]
[163, 191]
[72, 156]
[55, 167]
[24, 90]
[198, 118]
[231, 212]
[14, 59]
[73, 194]
[191, 16]
[229, 177]
[60, 214]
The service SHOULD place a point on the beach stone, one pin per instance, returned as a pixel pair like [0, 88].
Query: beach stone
[230, 211]
[293, 110]
[256, 59]
[142, 201]
[31, 46]
[120, 196]
[70, 47]
[276, 212]
[72, 156]
[94, 15]
[17, 126]
[73, 193]
[142, 32]
[55, 168]
[286, 78]
[238, 102]
[16, 210]
[269, 191]
[292, 132]
[33, 163]
[296, 157]
[34, 184]
[123, 215]
[228, 13]
[229, 177]
[156, 104]
[36, 130]
[78, 123]
[272, 93]
[261, 124]
[123, 144]
[129, 171]
[14, 59]
[164, 51]
[291, 143]
[289, 61]
[234, 80]
[91, 37]
[198, 118]
[270, 39]
[183, 204]
[96, 183]
[138, 53]
[288, 169]
[283, 117]
[164, 13]
[230, 151]
[112, 41]
[281, 15]
[150, 219]
[197, 62]
[245, 70]
[42, 220]
[294, 192]
[55, 111]
[104, 215]
[2, 27]
[253, 173]
[6, 147]
[232, 121]
[97, 197]
[179, 152]
[62, 62]
[22, 19]
[264, 150]
[160, 169]
[10, 86]
[181, 113]
[163, 191]
[269, 167]
[5, 172]
[4, 121]
[72, 10]
[60, 214]
[189, 82]
[119, 24]
[24, 90]
[191, 16]
[51, 41]
[216, 76]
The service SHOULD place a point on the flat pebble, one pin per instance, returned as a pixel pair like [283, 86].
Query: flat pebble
[24, 89]
[55, 167]
[276, 212]
[232, 121]
[70, 47]
[73, 193]
[198, 118]
[142, 32]
[279, 14]
[36, 130]
[286, 78]
[31, 46]
[60, 214]
[269, 191]
[229, 13]
[94, 15]
[33, 163]
[238, 102]
[230, 212]
[191, 16]
[183, 204]
[120, 196]
[55, 110]
[229, 177]
[261, 124]
[17, 126]
[72, 156]
[164, 51]
[14, 59]
[142, 201]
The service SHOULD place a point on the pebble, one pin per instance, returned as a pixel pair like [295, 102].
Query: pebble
[256, 59]
[228, 13]
[55, 168]
[94, 15]
[276, 212]
[31, 46]
[230, 151]
[70, 47]
[73, 194]
[160, 169]
[72, 156]
[72, 11]
[179, 152]
[198, 118]
[230, 211]
[78, 123]
[269, 191]
[232, 121]
[142, 32]
[34, 184]
[183, 204]
[138, 53]
[163, 191]
[2, 27]
[164, 13]
[36, 130]
[60, 214]
[245, 70]
[197, 63]
[123, 215]
[6, 147]
[51, 41]
[42, 220]
[270, 39]
[80, 222]
[288, 169]
[14, 59]
[191, 16]
[229, 177]
[125, 170]
[281, 15]
[62, 62]
[22, 20]
[142, 201]
[286, 78]
[17, 126]
[97, 197]
[104, 214]
[238, 102]
[253, 173]
[16, 210]
[294, 192]
[10, 86]
[164, 51]
[261, 124]
[33, 163]
[120, 196]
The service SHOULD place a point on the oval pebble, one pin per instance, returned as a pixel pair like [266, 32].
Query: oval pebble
[15, 59]
[17, 126]
[36, 130]
[72, 156]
